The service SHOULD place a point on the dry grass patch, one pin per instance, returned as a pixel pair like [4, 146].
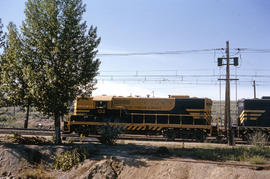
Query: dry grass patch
[19, 139]
[254, 155]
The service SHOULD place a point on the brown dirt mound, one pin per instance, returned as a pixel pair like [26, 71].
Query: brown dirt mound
[127, 168]
[109, 169]
[183, 170]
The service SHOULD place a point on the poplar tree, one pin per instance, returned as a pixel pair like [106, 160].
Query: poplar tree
[62, 52]
[2, 42]
[2, 35]
[15, 82]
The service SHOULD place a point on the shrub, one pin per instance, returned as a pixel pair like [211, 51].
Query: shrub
[108, 134]
[71, 158]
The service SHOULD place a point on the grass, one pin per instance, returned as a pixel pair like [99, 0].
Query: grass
[255, 155]
[257, 159]
[259, 139]
[251, 154]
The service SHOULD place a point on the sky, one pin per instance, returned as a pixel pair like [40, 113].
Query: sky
[141, 26]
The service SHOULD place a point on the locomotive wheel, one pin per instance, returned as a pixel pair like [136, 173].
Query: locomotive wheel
[169, 134]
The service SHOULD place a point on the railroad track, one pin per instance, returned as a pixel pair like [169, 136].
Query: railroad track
[29, 131]
[50, 132]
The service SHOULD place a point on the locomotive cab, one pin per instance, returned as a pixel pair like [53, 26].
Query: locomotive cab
[101, 104]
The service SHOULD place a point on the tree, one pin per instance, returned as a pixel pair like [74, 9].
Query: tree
[2, 43]
[2, 35]
[14, 66]
[62, 52]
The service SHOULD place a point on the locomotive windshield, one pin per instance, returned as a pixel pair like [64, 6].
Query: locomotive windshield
[101, 104]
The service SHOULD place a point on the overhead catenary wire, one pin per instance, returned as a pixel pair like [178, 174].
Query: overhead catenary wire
[169, 52]
[181, 52]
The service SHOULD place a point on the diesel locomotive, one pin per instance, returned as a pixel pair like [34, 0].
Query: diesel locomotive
[173, 117]
[254, 116]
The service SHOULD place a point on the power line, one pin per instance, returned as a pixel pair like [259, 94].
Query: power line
[176, 52]
[252, 50]
[180, 76]
[181, 52]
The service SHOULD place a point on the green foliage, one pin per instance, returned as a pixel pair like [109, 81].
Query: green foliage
[2, 35]
[71, 158]
[13, 66]
[2, 43]
[63, 54]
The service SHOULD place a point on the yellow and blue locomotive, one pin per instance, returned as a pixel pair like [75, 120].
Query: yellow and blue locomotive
[173, 117]
[254, 116]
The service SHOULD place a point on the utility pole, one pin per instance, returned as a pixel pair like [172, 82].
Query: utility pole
[254, 87]
[227, 119]
[228, 98]
[227, 92]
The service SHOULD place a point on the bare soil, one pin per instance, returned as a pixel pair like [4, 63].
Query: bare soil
[119, 161]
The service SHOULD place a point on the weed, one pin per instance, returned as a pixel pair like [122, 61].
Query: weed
[257, 159]
[258, 139]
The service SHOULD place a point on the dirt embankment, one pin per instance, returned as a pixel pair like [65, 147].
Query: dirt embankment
[130, 169]
[113, 162]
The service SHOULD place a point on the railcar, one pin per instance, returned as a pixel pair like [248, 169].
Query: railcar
[254, 116]
[174, 117]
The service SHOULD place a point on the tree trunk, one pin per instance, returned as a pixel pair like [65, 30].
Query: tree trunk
[57, 130]
[27, 117]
